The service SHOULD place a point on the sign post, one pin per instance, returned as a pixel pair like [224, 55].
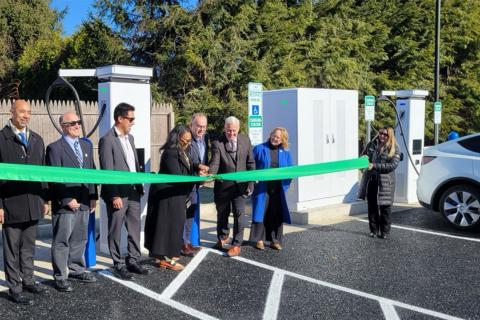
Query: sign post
[437, 118]
[369, 115]
[255, 112]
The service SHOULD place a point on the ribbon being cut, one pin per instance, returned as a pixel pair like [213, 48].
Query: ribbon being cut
[23, 172]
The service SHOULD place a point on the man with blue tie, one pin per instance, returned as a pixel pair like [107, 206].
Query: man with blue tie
[22, 203]
[199, 154]
[71, 205]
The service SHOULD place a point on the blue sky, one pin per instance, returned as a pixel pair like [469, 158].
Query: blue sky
[78, 12]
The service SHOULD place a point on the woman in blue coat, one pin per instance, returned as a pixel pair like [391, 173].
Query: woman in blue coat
[269, 205]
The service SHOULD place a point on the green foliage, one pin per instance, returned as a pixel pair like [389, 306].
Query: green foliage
[22, 23]
[203, 58]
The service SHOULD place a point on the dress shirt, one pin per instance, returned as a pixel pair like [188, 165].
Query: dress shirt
[127, 150]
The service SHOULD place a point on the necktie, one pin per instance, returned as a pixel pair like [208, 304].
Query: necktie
[23, 138]
[77, 153]
[233, 145]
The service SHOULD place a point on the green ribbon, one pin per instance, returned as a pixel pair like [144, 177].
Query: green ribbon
[24, 172]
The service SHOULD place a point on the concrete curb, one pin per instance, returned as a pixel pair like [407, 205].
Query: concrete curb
[315, 216]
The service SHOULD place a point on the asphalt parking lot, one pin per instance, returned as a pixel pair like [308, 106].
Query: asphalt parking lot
[425, 270]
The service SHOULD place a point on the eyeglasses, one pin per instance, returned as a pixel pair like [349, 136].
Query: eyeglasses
[72, 123]
[383, 134]
[129, 119]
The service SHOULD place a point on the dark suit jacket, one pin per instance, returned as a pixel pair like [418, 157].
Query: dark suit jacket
[22, 201]
[195, 155]
[60, 154]
[223, 162]
[112, 157]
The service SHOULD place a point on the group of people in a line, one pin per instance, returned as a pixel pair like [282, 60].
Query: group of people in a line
[171, 226]
[173, 208]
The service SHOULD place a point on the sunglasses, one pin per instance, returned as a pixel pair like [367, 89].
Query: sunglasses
[129, 119]
[383, 134]
[72, 123]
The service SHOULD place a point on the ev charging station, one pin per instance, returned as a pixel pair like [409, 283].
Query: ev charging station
[131, 85]
[410, 107]
[323, 126]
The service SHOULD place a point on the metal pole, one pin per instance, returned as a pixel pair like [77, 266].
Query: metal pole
[437, 61]
[369, 131]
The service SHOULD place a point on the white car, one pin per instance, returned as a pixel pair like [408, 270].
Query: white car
[449, 181]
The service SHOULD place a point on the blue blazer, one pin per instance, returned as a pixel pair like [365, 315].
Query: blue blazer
[261, 154]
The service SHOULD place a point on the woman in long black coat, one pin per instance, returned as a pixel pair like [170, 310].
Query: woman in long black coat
[167, 202]
[378, 182]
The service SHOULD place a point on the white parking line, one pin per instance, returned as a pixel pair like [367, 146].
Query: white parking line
[446, 235]
[183, 276]
[389, 311]
[274, 295]
[345, 289]
[158, 297]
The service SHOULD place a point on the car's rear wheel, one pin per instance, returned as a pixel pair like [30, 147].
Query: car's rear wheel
[460, 206]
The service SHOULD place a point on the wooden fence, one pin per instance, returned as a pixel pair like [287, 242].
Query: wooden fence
[161, 122]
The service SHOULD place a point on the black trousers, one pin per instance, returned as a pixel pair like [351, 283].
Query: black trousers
[271, 229]
[231, 200]
[18, 252]
[378, 215]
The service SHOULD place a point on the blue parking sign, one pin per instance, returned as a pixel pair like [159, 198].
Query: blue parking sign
[255, 110]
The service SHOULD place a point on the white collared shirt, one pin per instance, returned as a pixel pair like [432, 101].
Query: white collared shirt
[127, 150]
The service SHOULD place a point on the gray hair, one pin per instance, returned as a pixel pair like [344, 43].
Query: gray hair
[197, 115]
[232, 120]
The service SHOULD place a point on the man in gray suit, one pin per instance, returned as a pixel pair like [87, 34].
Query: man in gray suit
[117, 152]
[71, 205]
[231, 153]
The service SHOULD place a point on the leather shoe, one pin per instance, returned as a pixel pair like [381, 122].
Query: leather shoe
[86, 277]
[234, 251]
[122, 273]
[276, 246]
[139, 269]
[35, 288]
[194, 249]
[187, 251]
[20, 298]
[383, 236]
[259, 245]
[63, 286]
[172, 265]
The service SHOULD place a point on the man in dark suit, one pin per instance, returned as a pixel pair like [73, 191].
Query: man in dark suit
[231, 153]
[117, 152]
[199, 154]
[22, 204]
[71, 205]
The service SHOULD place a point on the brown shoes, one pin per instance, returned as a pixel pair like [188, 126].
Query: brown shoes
[260, 245]
[187, 250]
[234, 251]
[275, 246]
[172, 265]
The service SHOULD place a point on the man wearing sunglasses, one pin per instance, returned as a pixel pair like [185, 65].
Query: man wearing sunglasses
[117, 152]
[71, 205]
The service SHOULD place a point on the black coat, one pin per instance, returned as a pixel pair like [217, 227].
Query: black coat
[167, 207]
[22, 201]
[384, 169]
[60, 154]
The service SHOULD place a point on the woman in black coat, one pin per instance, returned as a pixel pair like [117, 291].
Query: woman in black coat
[378, 182]
[167, 202]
